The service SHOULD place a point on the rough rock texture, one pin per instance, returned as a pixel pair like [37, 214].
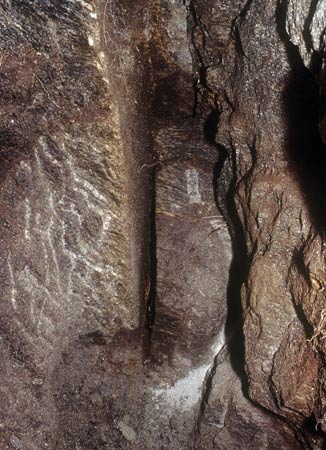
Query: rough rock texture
[265, 78]
[162, 224]
[230, 421]
[65, 257]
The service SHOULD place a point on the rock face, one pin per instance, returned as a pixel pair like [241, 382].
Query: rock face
[162, 224]
[63, 207]
[265, 78]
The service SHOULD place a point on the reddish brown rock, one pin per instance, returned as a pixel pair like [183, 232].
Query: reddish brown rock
[162, 224]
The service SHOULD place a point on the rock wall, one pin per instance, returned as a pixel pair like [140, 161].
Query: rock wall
[63, 208]
[266, 78]
[162, 224]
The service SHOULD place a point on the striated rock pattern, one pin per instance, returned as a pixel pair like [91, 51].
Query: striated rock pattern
[65, 257]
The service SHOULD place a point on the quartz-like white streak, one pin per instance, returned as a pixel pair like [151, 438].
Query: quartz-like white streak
[187, 391]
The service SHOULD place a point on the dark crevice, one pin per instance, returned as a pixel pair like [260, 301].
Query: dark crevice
[240, 262]
[210, 130]
[211, 125]
[306, 28]
[298, 260]
[203, 75]
[310, 428]
[237, 39]
[208, 388]
[200, 81]
[238, 274]
[235, 28]
[197, 22]
[193, 9]
[196, 97]
[291, 49]
[150, 296]
[200, 88]
[149, 307]
[305, 149]
[245, 9]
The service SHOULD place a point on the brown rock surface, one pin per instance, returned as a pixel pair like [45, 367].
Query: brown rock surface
[268, 125]
[162, 224]
[65, 257]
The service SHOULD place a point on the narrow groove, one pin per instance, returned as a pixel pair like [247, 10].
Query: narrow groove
[150, 286]
[201, 79]
[150, 307]
[208, 388]
[235, 28]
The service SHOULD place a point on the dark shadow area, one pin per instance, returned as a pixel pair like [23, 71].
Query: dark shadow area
[151, 284]
[305, 149]
[224, 185]
[238, 274]
[211, 125]
[314, 433]
[148, 307]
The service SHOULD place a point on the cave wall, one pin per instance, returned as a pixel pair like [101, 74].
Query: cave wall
[162, 224]
[266, 77]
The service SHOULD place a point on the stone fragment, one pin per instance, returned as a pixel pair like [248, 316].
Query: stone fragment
[127, 431]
